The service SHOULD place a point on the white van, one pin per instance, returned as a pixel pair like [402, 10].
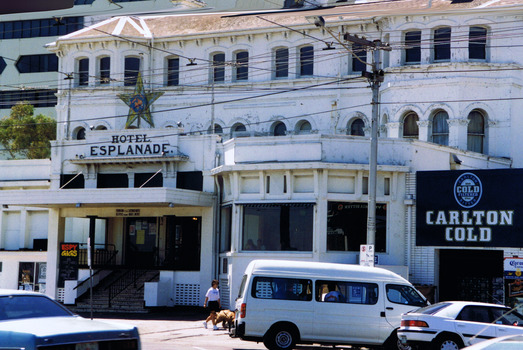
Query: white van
[283, 303]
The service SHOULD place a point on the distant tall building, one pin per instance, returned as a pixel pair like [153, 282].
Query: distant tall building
[29, 72]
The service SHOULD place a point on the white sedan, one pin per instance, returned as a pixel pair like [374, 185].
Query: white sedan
[33, 321]
[454, 324]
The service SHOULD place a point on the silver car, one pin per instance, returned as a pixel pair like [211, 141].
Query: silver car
[31, 321]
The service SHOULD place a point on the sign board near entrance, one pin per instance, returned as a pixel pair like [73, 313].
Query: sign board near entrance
[68, 265]
[127, 212]
[477, 208]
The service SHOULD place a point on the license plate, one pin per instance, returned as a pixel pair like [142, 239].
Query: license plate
[87, 346]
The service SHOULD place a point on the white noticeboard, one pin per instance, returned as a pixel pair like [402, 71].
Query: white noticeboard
[367, 255]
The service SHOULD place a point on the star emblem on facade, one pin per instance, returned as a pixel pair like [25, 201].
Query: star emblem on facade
[139, 104]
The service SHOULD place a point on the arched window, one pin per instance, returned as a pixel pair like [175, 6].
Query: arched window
[410, 126]
[356, 127]
[242, 65]
[413, 46]
[306, 61]
[476, 132]
[477, 43]
[83, 72]
[132, 68]
[442, 44]
[440, 128]
[104, 67]
[217, 129]
[101, 127]
[218, 67]
[304, 127]
[80, 134]
[281, 62]
[279, 129]
[238, 130]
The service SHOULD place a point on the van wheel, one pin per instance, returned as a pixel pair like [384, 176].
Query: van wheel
[280, 338]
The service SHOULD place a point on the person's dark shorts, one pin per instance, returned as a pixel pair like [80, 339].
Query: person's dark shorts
[213, 306]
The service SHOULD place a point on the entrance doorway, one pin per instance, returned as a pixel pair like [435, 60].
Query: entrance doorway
[471, 275]
[142, 242]
[183, 243]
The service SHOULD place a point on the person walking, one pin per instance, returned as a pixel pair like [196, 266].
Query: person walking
[212, 301]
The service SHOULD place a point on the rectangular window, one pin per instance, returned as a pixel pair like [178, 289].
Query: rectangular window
[278, 227]
[112, 181]
[442, 44]
[359, 58]
[242, 65]
[477, 43]
[148, 180]
[346, 292]
[347, 226]
[105, 70]
[132, 69]
[413, 47]
[32, 276]
[282, 63]
[225, 229]
[307, 61]
[173, 71]
[37, 63]
[218, 64]
[281, 288]
[386, 186]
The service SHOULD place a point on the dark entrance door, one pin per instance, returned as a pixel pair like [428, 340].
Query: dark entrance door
[471, 275]
[141, 242]
[183, 242]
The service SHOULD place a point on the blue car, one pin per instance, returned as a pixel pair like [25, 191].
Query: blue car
[32, 321]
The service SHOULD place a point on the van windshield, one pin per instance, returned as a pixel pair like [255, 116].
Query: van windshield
[403, 294]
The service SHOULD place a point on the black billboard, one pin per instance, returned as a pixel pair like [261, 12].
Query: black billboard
[476, 208]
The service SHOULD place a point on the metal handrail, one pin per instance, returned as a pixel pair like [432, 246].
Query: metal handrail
[109, 257]
[123, 282]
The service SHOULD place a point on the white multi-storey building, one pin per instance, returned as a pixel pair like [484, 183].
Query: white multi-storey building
[195, 143]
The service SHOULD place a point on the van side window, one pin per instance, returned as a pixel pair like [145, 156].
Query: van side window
[402, 294]
[346, 292]
[282, 288]
[242, 286]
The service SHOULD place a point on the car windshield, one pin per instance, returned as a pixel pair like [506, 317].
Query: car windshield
[23, 306]
[507, 316]
[431, 309]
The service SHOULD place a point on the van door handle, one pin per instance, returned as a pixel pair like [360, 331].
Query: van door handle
[389, 308]
[382, 314]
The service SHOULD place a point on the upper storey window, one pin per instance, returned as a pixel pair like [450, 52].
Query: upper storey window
[173, 71]
[132, 68]
[477, 43]
[218, 67]
[281, 63]
[242, 65]
[37, 63]
[306, 61]
[356, 127]
[413, 46]
[440, 128]
[410, 126]
[476, 132]
[83, 72]
[359, 58]
[442, 44]
[279, 129]
[40, 27]
[105, 70]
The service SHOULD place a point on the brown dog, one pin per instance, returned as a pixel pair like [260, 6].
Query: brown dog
[226, 317]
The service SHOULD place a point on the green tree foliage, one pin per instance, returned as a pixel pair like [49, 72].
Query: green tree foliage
[24, 135]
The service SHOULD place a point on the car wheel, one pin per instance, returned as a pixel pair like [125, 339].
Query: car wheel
[447, 342]
[280, 338]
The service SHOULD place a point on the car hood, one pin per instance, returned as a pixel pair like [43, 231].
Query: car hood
[55, 326]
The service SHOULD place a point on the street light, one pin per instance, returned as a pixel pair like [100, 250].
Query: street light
[375, 79]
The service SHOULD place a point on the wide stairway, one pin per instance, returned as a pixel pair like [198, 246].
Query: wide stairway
[121, 291]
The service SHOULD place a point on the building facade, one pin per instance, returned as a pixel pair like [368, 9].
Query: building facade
[194, 144]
